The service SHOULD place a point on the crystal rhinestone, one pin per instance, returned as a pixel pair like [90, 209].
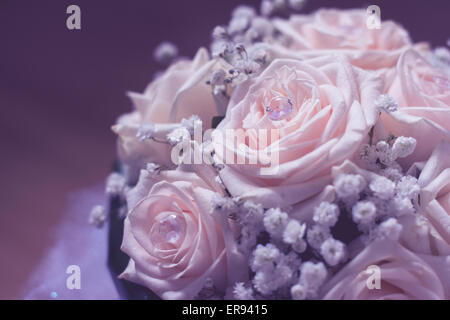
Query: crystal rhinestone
[169, 229]
[279, 108]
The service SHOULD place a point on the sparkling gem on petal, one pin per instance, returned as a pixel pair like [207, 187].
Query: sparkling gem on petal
[169, 229]
[279, 108]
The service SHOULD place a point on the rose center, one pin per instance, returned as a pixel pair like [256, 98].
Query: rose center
[169, 229]
[279, 108]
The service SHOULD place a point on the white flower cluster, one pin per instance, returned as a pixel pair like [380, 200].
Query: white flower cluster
[153, 168]
[274, 270]
[146, 131]
[385, 153]
[385, 103]
[185, 131]
[250, 217]
[224, 204]
[243, 292]
[98, 216]
[389, 194]
[373, 200]
[242, 44]
[165, 52]
[312, 276]
[116, 185]
[276, 265]
[270, 7]
[170, 133]
[441, 59]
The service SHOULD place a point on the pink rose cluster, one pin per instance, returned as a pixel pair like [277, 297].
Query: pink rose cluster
[354, 200]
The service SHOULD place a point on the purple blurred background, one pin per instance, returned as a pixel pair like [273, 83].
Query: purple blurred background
[61, 90]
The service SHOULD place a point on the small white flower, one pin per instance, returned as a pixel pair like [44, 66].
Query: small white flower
[178, 135]
[391, 173]
[294, 232]
[283, 275]
[267, 8]
[220, 33]
[218, 77]
[369, 153]
[264, 257]
[442, 54]
[244, 11]
[316, 235]
[386, 103]
[247, 66]
[389, 229]
[279, 4]
[382, 146]
[402, 206]
[333, 251]
[165, 52]
[384, 207]
[240, 292]
[98, 216]
[275, 222]
[219, 181]
[122, 213]
[296, 4]
[247, 239]
[115, 184]
[382, 187]
[153, 168]
[408, 187]
[265, 282]
[349, 185]
[146, 131]
[262, 26]
[299, 246]
[219, 90]
[298, 292]
[403, 147]
[364, 212]
[312, 274]
[238, 25]
[220, 48]
[224, 204]
[191, 123]
[251, 212]
[258, 54]
[292, 260]
[326, 214]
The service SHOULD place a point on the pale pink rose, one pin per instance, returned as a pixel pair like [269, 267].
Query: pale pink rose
[329, 110]
[345, 31]
[423, 96]
[429, 233]
[174, 239]
[178, 93]
[403, 274]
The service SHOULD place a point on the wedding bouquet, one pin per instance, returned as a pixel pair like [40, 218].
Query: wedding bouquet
[302, 156]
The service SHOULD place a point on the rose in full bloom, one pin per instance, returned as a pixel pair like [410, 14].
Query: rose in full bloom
[423, 96]
[321, 111]
[345, 31]
[174, 239]
[403, 275]
[429, 233]
[178, 93]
